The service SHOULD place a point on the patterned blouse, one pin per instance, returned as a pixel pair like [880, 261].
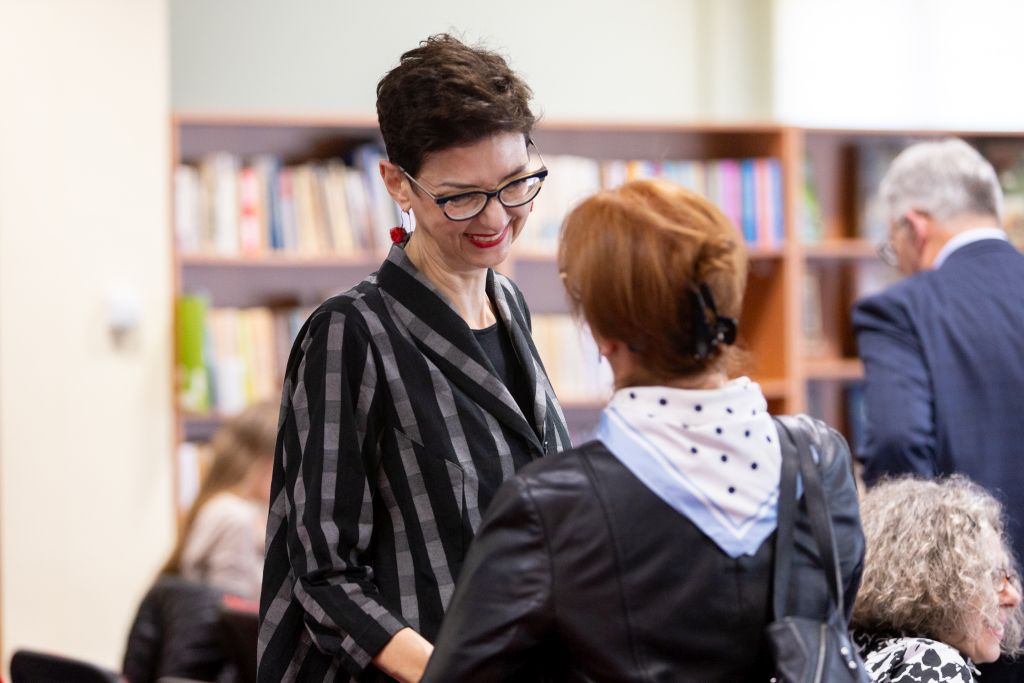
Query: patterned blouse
[914, 660]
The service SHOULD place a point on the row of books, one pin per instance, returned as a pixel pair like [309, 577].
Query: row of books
[229, 358]
[228, 207]
[749, 192]
[823, 292]
[873, 158]
[570, 355]
[1008, 159]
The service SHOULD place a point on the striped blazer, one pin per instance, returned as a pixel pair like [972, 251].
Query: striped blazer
[395, 434]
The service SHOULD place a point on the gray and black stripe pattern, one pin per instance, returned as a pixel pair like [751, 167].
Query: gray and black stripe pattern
[395, 435]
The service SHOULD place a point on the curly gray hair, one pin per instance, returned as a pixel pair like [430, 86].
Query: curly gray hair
[928, 569]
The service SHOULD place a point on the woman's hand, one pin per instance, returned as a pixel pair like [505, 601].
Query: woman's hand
[405, 656]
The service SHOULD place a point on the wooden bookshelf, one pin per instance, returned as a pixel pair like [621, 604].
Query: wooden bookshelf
[844, 249]
[834, 369]
[804, 359]
[305, 280]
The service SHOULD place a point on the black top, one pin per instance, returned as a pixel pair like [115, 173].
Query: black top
[176, 632]
[497, 344]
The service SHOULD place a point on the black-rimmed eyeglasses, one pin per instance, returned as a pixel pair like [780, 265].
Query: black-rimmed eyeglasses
[512, 193]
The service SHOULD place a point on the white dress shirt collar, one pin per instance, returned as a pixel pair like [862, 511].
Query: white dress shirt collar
[964, 238]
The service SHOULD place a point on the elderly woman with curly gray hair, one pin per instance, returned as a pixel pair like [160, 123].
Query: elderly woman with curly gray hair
[940, 591]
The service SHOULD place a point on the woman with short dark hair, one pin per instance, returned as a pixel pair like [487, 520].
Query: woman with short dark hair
[409, 399]
[647, 554]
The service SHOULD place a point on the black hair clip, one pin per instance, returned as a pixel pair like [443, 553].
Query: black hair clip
[708, 332]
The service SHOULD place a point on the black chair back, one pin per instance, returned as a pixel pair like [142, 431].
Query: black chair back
[28, 666]
[239, 630]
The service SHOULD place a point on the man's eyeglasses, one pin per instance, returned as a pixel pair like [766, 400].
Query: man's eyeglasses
[887, 252]
[512, 193]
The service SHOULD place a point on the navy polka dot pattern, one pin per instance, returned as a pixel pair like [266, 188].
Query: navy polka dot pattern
[706, 440]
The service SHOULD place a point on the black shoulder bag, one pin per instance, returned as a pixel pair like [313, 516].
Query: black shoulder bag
[808, 650]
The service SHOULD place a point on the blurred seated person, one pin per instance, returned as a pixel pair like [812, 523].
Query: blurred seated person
[647, 554]
[940, 591]
[222, 543]
[218, 556]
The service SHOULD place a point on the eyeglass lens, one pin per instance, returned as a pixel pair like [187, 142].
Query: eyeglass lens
[516, 193]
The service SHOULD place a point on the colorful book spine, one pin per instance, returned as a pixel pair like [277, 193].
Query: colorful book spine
[748, 183]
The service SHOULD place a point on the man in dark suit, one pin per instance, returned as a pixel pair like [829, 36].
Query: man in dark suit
[943, 349]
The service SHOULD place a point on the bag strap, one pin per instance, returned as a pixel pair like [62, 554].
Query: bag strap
[817, 510]
[784, 529]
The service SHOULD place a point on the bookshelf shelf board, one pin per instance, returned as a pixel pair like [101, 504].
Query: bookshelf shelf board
[773, 388]
[831, 369]
[281, 260]
[243, 283]
[584, 403]
[544, 257]
[756, 253]
[841, 249]
[201, 426]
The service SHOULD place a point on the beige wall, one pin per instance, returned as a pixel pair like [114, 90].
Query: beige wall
[85, 425]
[585, 59]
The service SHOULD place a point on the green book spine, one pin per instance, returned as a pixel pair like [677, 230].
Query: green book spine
[193, 383]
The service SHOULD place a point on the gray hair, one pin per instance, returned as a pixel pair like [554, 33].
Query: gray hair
[928, 572]
[946, 179]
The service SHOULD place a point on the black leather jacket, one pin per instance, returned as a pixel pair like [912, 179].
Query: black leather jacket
[580, 573]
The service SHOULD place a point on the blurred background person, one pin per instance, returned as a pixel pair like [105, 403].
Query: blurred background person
[218, 553]
[648, 554]
[943, 350]
[222, 542]
[941, 589]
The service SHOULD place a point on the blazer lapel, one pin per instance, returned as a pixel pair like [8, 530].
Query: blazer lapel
[512, 313]
[445, 338]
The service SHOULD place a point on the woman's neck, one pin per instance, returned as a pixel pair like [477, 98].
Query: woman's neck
[466, 291]
[708, 380]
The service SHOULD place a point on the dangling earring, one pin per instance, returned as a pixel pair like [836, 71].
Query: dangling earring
[398, 233]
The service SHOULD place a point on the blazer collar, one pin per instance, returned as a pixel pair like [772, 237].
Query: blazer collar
[444, 337]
